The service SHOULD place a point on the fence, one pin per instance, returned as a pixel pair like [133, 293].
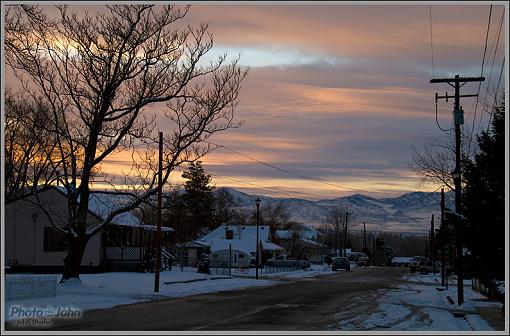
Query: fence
[262, 270]
[29, 286]
[277, 269]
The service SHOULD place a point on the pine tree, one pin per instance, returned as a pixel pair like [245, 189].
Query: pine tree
[198, 197]
[484, 201]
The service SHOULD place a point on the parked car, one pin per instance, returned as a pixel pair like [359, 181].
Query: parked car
[363, 261]
[341, 263]
[414, 263]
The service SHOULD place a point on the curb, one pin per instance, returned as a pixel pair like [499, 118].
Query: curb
[195, 280]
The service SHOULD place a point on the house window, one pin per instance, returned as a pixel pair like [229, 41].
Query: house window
[241, 256]
[229, 234]
[54, 240]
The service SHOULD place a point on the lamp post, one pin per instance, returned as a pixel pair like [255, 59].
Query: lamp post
[257, 202]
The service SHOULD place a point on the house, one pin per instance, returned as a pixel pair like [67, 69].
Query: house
[32, 243]
[300, 241]
[236, 240]
[401, 261]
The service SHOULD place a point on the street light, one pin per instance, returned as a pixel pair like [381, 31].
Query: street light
[257, 202]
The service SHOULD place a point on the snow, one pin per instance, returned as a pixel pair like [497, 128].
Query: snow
[313, 271]
[413, 305]
[417, 305]
[244, 239]
[106, 290]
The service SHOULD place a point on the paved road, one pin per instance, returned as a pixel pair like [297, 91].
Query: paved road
[305, 304]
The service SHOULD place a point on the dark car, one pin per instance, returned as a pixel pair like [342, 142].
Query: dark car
[341, 263]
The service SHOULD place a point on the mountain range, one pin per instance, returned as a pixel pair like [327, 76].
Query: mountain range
[408, 213]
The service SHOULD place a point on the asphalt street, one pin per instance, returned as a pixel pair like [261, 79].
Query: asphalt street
[297, 304]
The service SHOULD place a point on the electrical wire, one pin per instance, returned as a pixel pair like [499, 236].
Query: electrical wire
[438, 125]
[292, 173]
[492, 65]
[496, 94]
[481, 75]
[271, 189]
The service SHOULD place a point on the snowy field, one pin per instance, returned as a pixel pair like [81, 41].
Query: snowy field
[106, 290]
[417, 305]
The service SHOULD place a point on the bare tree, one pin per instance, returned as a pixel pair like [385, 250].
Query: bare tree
[224, 207]
[29, 150]
[336, 217]
[100, 76]
[435, 162]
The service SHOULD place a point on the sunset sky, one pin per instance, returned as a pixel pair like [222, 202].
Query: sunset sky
[340, 92]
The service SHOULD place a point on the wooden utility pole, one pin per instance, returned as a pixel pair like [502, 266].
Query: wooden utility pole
[433, 245]
[442, 230]
[373, 247]
[364, 238]
[345, 233]
[458, 119]
[158, 230]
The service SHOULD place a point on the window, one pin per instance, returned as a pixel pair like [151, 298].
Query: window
[241, 256]
[54, 240]
[229, 234]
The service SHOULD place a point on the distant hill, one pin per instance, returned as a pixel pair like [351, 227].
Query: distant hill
[410, 212]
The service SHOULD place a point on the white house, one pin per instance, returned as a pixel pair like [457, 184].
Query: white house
[240, 240]
[32, 243]
[300, 241]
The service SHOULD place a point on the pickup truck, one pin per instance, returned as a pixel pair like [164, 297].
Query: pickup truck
[286, 261]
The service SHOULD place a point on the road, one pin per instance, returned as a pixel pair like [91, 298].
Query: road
[301, 304]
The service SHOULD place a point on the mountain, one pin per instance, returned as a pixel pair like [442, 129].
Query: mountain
[410, 212]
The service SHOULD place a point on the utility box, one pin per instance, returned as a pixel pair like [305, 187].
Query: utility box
[458, 117]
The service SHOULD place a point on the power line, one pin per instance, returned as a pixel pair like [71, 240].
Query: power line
[272, 189]
[481, 74]
[492, 66]
[431, 41]
[496, 94]
[292, 173]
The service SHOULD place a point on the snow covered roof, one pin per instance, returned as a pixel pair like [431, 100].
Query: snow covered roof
[244, 238]
[240, 231]
[307, 236]
[283, 234]
[104, 204]
[401, 259]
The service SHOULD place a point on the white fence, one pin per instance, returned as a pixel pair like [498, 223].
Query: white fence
[25, 286]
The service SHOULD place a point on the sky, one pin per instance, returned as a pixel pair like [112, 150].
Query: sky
[340, 93]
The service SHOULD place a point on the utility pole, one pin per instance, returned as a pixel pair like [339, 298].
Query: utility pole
[158, 231]
[433, 245]
[373, 246]
[458, 119]
[345, 234]
[442, 239]
[364, 238]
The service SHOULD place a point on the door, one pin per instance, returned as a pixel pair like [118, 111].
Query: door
[235, 259]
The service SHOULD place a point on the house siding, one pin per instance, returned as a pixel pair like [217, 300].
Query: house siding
[24, 232]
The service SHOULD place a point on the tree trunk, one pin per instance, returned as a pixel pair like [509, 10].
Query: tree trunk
[72, 261]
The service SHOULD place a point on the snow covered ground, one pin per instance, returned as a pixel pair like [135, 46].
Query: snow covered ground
[418, 305]
[106, 290]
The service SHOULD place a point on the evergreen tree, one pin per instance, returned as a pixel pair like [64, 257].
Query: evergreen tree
[198, 197]
[484, 201]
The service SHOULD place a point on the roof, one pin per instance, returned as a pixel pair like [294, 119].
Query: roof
[401, 259]
[244, 238]
[240, 231]
[305, 233]
[101, 205]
